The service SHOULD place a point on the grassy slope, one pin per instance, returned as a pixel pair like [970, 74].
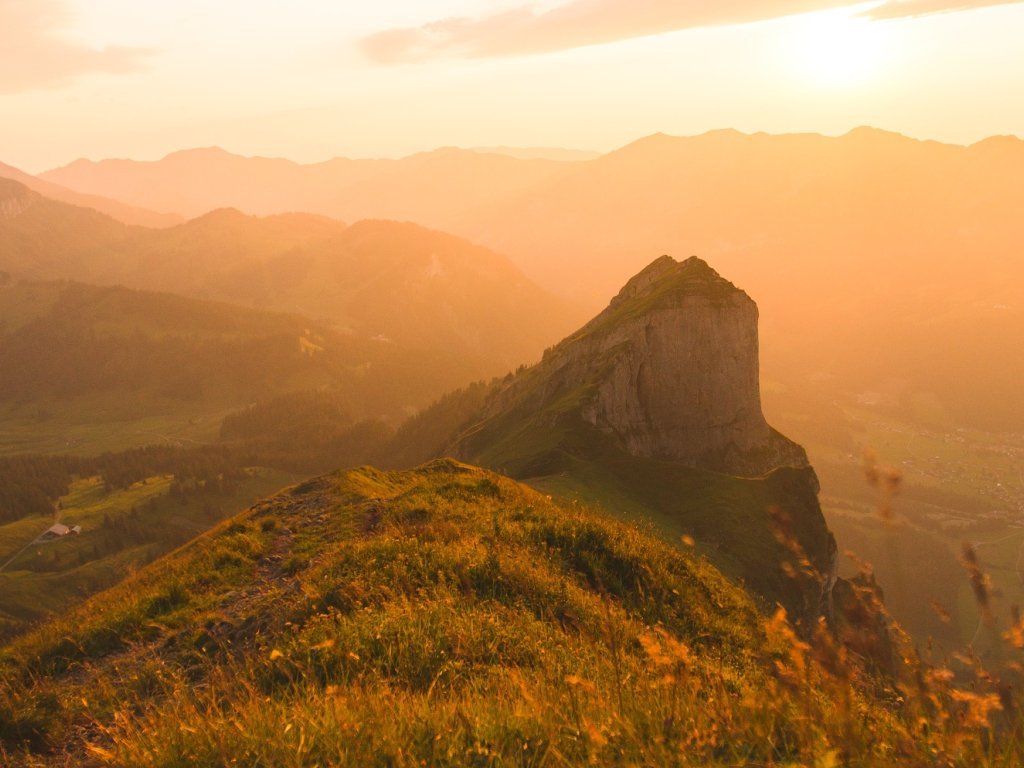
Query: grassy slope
[728, 517]
[443, 616]
[553, 449]
[122, 530]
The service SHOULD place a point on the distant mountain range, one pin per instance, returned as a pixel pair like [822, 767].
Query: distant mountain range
[905, 253]
[124, 213]
[875, 235]
[396, 282]
[427, 188]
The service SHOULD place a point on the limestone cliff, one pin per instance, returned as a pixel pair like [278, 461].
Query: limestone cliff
[670, 371]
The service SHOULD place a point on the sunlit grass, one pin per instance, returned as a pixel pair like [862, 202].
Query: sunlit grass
[451, 617]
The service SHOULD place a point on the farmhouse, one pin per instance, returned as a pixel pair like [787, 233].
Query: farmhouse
[57, 530]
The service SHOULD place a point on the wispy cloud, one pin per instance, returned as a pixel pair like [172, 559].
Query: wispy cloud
[901, 9]
[34, 55]
[578, 23]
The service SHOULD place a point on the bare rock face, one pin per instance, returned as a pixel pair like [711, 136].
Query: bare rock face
[670, 371]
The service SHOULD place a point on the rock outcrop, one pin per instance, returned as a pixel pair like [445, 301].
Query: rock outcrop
[654, 407]
[669, 371]
[684, 384]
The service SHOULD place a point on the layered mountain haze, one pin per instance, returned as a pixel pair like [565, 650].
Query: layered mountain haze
[874, 234]
[123, 213]
[400, 282]
[431, 188]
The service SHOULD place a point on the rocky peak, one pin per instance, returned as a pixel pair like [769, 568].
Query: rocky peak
[694, 275]
[673, 372]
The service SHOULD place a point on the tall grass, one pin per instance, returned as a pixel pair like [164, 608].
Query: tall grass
[450, 617]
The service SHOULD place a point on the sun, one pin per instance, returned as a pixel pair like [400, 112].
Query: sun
[835, 49]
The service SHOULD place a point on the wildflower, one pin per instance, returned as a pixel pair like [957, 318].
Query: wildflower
[978, 707]
[980, 582]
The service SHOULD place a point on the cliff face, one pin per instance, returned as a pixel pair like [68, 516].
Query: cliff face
[654, 406]
[670, 370]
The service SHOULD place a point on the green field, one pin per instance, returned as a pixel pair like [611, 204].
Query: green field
[122, 530]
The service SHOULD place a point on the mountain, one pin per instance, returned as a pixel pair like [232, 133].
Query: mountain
[653, 409]
[426, 187]
[43, 239]
[97, 368]
[540, 153]
[432, 616]
[406, 284]
[668, 371]
[116, 210]
[770, 207]
[873, 234]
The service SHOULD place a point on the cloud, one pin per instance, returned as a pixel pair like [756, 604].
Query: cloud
[34, 55]
[578, 23]
[902, 9]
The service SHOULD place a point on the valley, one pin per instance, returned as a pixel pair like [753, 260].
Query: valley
[249, 353]
[511, 384]
[958, 486]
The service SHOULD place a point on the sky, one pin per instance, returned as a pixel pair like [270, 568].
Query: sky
[314, 79]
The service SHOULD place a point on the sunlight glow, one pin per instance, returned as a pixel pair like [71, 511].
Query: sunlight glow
[838, 50]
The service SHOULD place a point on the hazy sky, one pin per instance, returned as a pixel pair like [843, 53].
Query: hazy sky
[312, 79]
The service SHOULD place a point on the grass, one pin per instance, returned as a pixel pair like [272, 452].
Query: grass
[122, 530]
[728, 516]
[448, 616]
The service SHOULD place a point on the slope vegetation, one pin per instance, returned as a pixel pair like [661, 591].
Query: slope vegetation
[447, 616]
[106, 368]
[652, 410]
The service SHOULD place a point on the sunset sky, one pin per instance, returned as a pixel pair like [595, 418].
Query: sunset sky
[313, 79]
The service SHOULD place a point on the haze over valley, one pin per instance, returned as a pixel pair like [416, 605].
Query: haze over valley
[549, 384]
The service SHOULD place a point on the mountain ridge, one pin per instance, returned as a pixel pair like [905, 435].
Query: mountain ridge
[652, 411]
[124, 213]
[415, 286]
